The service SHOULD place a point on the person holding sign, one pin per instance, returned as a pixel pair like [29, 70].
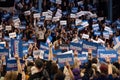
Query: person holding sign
[15, 75]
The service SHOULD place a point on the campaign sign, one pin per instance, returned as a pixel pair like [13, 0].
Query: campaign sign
[76, 46]
[2, 46]
[38, 54]
[44, 46]
[64, 47]
[12, 64]
[25, 46]
[46, 52]
[16, 47]
[83, 58]
[90, 45]
[66, 56]
[4, 52]
[95, 27]
[108, 53]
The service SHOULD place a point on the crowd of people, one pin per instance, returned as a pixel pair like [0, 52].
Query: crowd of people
[64, 21]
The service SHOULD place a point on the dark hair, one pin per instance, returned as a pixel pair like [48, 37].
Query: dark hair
[59, 76]
[39, 63]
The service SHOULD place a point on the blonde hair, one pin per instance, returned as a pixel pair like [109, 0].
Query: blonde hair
[11, 75]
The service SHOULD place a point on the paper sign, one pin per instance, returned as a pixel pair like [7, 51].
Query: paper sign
[58, 1]
[76, 46]
[36, 15]
[44, 46]
[95, 27]
[20, 5]
[85, 23]
[12, 64]
[4, 43]
[27, 12]
[78, 22]
[1, 27]
[50, 13]
[4, 51]
[16, 20]
[72, 15]
[63, 57]
[83, 58]
[55, 19]
[63, 22]
[8, 27]
[108, 53]
[12, 35]
[79, 14]
[38, 53]
[85, 36]
[48, 17]
[45, 13]
[106, 35]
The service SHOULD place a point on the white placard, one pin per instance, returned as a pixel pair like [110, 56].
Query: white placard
[1, 27]
[79, 14]
[58, 1]
[20, 5]
[85, 36]
[50, 12]
[27, 12]
[78, 22]
[48, 18]
[107, 28]
[36, 15]
[58, 15]
[45, 13]
[38, 53]
[72, 15]
[8, 27]
[12, 35]
[55, 19]
[16, 20]
[63, 22]
[84, 24]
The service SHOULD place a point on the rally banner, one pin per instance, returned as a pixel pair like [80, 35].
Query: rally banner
[66, 56]
[25, 46]
[90, 45]
[16, 47]
[83, 58]
[46, 52]
[64, 47]
[4, 51]
[108, 53]
[12, 64]
[44, 46]
[76, 46]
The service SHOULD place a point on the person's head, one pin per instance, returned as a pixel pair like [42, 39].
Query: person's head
[59, 76]
[39, 64]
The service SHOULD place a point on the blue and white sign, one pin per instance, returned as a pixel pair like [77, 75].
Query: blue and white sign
[108, 53]
[16, 47]
[83, 58]
[76, 46]
[12, 64]
[63, 57]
